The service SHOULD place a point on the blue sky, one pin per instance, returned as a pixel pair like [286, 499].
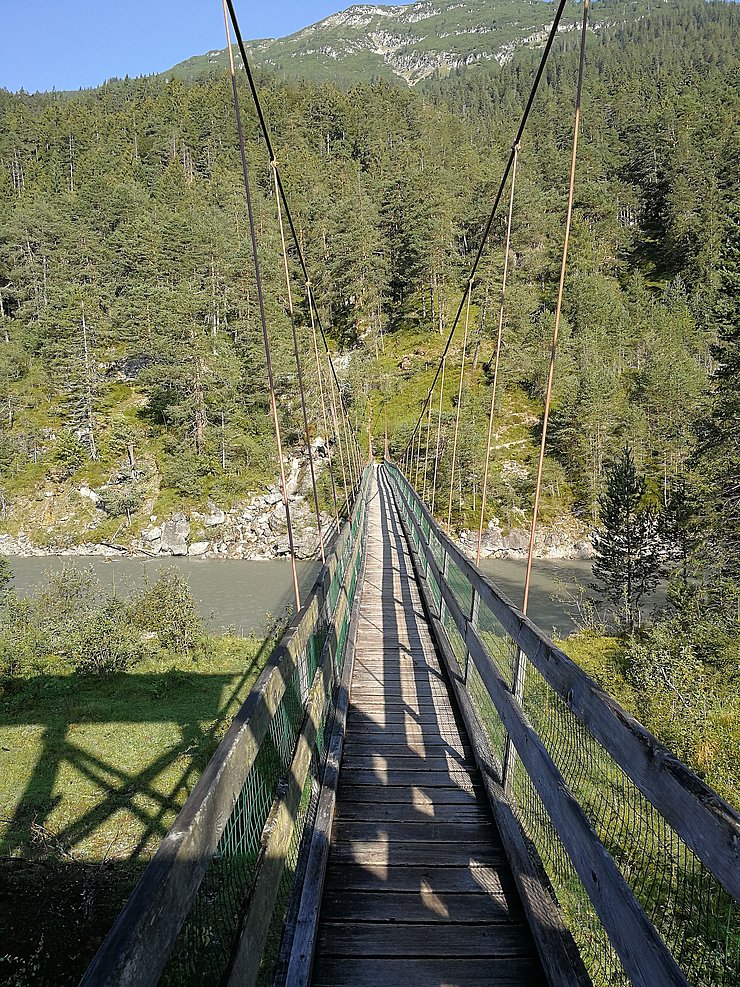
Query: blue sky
[68, 44]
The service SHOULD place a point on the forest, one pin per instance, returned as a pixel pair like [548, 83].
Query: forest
[131, 357]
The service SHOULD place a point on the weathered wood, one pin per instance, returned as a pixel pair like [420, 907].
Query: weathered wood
[303, 939]
[558, 952]
[457, 778]
[137, 948]
[427, 830]
[405, 793]
[430, 972]
[642, 952]
[355, 939]
[413, 812]
[385, 853]
[445, 879]
[421, 906]
[704, 821]
[409, 812]
[248, 954]
[408, 761]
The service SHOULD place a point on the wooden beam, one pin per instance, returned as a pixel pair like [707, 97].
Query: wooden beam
[708, 824]
[644, 955]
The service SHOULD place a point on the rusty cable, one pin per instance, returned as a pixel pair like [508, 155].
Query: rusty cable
[320, 376]
[299, 371]
[459, 402]
[502, 185]
[261, 305]
[558, 307]
[439, 434]
[498, 353]
[520, 663]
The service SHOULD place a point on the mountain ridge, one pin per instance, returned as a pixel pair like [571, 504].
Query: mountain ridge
[409, 43]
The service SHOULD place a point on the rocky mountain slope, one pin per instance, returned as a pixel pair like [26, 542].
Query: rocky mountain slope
[409, 43]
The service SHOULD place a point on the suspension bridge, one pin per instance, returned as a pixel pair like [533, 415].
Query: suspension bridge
[421, 787]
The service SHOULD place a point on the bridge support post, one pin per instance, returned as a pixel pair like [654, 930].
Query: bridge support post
[474, 610]
[442, 605]
[520, 673]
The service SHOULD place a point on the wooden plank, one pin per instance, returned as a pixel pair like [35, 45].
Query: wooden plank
[136, 949]
[398, 744]
[358, 939]
[408, 761]
[303, 942]
[410, 812]
[363, 731]
[248, 954]
[424, 906]
[390, 794]
[442, 879]
[393, 777]
[384, 853]
[429, 972]
[641, 950]
[429, 830]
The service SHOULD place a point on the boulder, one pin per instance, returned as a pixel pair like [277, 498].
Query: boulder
[88, 493]
[214, 518]
[153, 534]
[199, 548]
[175, 535]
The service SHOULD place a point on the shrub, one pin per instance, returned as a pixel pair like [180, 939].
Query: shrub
[169, 610]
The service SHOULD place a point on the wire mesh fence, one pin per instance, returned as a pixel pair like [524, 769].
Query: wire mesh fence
[205, 947]
[195, 908]
[691, 909]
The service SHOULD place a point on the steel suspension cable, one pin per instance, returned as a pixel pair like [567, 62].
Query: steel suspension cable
[325, 420]
[418, 459]
[261, 305]
[559, 305]
[346, 440]
[459, 401]
[520, 668]
[498, 352]
[499, 193]
[439, 433]
[286, 205]
[426, 449]
[299, 371]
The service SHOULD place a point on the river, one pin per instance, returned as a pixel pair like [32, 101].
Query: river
[239, 594]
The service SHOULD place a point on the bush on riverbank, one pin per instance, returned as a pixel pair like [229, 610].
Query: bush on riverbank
[72, 624]
[662, 679]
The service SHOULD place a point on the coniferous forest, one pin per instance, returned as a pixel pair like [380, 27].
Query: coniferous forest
[131, 356]
[131, 353]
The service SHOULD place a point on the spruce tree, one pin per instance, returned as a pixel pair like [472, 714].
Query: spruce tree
[718, 459]
[628, 563]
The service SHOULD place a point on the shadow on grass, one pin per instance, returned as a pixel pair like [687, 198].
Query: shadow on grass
[114, 759]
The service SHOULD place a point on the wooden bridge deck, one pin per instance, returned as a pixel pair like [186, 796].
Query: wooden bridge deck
[418, 889]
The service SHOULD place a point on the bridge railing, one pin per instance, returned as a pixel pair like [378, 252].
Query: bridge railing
[211, 904]
[640, 857]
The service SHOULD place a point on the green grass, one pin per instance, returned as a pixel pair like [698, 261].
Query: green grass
[92, 773]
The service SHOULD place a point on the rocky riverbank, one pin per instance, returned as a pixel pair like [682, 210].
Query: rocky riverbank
[257, 530]
[563, 540]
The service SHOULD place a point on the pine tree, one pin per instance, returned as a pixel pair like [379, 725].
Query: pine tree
[719, 451]
[628, 563]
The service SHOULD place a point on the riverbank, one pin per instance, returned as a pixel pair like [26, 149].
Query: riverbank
[256, 531]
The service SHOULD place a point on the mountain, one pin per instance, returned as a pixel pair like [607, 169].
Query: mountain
[412, 42]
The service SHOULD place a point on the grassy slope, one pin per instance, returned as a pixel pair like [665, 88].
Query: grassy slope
[92, 773]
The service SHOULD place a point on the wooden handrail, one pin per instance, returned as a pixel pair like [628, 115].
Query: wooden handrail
[708, 824]
[137, 948]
